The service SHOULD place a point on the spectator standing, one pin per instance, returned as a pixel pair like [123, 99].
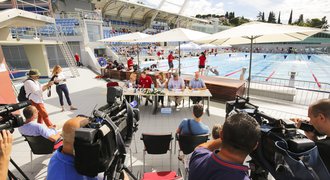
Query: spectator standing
[77, 58]
[31, 128]
[170, 59]
[197, 84]
[209, 163]
[201, 64]
[161, 83]
[61, 87]
[176, 83]
[130, 64]
[61, 165]
[145, 82]
[34, 91]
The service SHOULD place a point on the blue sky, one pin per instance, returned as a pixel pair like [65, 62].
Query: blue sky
[250, 8]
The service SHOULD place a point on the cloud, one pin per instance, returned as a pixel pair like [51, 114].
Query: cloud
[204, 7]
[309, 8]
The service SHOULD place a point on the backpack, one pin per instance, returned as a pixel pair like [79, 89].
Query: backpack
[22, 94]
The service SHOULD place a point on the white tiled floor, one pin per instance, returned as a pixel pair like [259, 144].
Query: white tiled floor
[87, 92]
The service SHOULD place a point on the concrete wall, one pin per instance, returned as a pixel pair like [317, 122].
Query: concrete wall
[70, 6]
[37, 56]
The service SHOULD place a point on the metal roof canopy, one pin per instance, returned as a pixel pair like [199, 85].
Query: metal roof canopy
[20, 18]
[140, 12]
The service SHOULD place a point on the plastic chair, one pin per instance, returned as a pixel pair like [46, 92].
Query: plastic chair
[157, 144]
[187, 144]
[40, 145]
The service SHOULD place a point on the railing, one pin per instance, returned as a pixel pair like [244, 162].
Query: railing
[302, 92]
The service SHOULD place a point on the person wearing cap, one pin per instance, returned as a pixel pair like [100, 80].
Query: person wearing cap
[34, 91]
[170, 59]
[130, 63]
[176, 83]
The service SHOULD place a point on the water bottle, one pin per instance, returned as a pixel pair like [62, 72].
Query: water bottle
[152, 86]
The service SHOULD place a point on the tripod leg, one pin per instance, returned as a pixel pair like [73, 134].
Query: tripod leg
[19, 169]
[129, 172]
[11, 176]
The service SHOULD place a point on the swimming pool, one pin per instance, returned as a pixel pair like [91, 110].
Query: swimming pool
[263, 64]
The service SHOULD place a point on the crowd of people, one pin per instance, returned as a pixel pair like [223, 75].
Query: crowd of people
[220, 158]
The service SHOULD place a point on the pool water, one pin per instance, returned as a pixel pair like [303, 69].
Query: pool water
[263, 64]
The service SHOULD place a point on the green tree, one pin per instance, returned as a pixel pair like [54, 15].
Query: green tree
[198, 16]
[300, 21]
[279, 18]
[290, 18]
[259, 17]
[263, 17]
[234, 21]
[226, 15]
[231, 15]
[271, 17]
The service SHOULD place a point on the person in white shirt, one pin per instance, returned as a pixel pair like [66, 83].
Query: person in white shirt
[161, 83]
[60, 81]
[34, 91]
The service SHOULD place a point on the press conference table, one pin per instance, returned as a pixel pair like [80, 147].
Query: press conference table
[185, 93]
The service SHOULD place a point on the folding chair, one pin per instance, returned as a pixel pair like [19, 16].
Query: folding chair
[187, 144]
[40, 145]
[156, 144]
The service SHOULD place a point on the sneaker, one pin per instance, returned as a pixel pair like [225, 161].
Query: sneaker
[73, 108]
[62, 110]
[146, 104]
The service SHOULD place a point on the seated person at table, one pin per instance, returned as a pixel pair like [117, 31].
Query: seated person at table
[196, 84]
[31, 128]
[238, 138]
[145, 82]
[161, 83]
[176, 83]
[131, 83]
[130, 64]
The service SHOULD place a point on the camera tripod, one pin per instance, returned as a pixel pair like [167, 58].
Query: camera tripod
[12, 176]
[115, 171]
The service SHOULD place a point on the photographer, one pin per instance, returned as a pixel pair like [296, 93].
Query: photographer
[319, 114]
[6, 141]
[61, 165]
[238, 138]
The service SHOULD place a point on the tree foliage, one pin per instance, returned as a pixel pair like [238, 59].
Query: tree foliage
[271, 17]
[290, 18]
[279, 18]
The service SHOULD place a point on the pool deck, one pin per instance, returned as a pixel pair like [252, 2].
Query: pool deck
[87, 92]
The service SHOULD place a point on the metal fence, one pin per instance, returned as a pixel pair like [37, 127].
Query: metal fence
[297, 91]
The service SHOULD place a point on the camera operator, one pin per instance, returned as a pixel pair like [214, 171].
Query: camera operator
[319, 114]
[61, 165]
[6, 141]
[238, 137]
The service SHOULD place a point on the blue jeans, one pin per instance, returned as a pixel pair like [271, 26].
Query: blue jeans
[60, 89]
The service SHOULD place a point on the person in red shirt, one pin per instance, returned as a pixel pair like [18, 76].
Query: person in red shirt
[77, 58]
[170, 61]
[145, 82]
[201, 64]
[130, 63]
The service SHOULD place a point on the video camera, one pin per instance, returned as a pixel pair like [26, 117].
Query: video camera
[10, 121]
[101, 145]
[282, 151]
